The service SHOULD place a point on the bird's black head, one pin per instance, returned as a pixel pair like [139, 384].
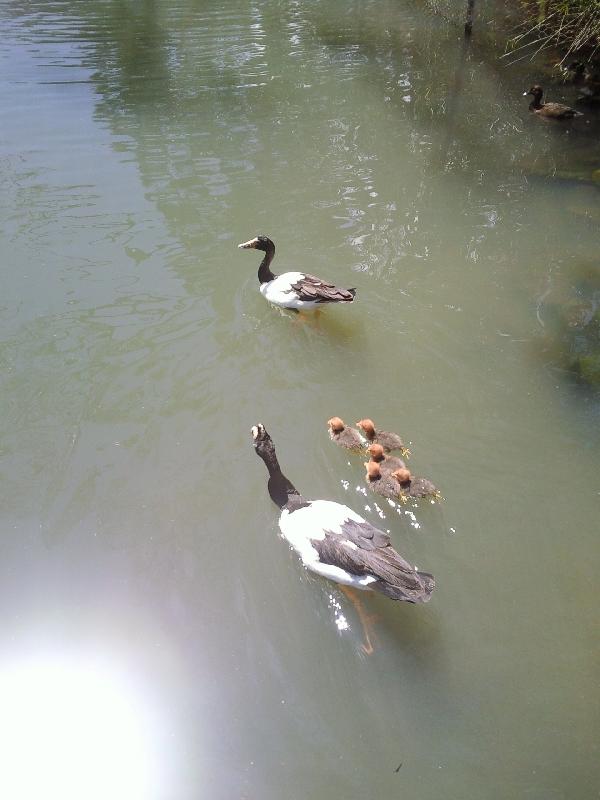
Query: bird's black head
[535, 90]
[259, 242]
[263, 444]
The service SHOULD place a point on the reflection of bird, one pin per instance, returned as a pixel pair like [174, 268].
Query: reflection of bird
[387, 464]
[550, 110]
[345, 436]
[295, 290]
[335, 542]
[389, 441]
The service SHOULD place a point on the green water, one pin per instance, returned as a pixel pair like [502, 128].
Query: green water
[139, 143]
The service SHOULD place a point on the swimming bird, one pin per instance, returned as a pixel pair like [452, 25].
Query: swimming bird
[550, 110]
[389, 441]
[387, 464]
[412, 486]
[399, 484]
[384, 485]
[336, 542]
[346, 437]
[295, 290]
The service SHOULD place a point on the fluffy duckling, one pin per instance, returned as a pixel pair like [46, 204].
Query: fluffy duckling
[389, 441]
[384, 485]
[410, 486]
[387, 464]
[399, 484]
[345, 436]
[549, 110]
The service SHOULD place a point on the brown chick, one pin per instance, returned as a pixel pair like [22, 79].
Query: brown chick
[387, 464]
[384, 485]
[346, 437]
[389, 441]
[409, 486]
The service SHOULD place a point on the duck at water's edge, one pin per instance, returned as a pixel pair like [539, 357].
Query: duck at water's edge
[587, 81]
[294, 290]
[549, 110]
[335, 542]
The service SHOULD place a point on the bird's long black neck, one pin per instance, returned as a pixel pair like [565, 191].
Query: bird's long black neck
[264, 271]
[283, 492]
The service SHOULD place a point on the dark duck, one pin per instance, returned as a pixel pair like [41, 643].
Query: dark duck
[336, 542]
[389, 441]
[344, 436]
[296, 290]
[549, 110]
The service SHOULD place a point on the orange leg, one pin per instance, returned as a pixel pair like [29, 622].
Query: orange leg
[365, 619]
[308, 318]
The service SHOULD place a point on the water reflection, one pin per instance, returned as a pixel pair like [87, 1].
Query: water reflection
[78, 725]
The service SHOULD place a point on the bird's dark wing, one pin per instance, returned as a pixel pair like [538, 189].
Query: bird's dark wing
[422, 487]
[310, 288]
[364, 535]
[558, 110]
[362, 549]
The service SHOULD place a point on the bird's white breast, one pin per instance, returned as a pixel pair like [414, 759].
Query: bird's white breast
[279, 291]
[311, 522]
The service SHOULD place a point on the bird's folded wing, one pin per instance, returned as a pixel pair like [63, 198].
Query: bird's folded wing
[311, 288]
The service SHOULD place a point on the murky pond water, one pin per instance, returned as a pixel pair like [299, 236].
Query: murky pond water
[171, 642]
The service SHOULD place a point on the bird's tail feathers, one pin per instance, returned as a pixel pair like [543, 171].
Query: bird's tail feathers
[408, 594]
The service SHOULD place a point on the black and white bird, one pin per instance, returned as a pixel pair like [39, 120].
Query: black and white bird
[296, 290]
[335, 542]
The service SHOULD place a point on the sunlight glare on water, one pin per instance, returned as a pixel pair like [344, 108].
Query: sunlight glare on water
[73, 728]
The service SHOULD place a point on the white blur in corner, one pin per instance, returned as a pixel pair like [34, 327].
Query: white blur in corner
[73, 729]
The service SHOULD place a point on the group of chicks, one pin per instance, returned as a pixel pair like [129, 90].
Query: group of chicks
[386, 475]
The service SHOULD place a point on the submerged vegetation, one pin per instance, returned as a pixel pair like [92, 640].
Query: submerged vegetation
[571, 319]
